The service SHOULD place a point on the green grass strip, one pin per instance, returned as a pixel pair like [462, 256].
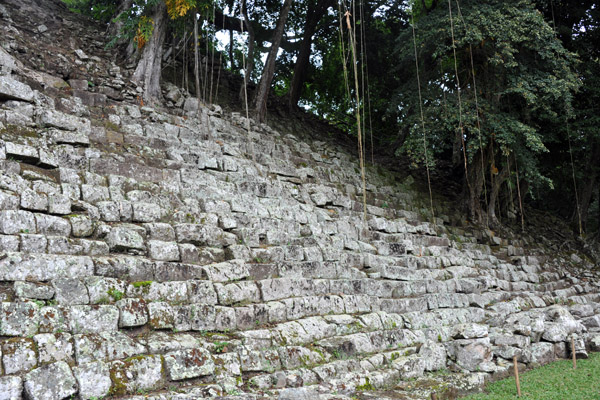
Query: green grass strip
[555, 381]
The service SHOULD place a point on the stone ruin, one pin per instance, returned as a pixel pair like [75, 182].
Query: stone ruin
[150, 254]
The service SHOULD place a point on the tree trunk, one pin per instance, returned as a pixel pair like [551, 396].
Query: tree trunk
[591, 182]
[250, 58]
[476, 177]
[116, 26]
[148, 70]
[495, 190]
[196, 63]
[313, 16]
[457, 150]
[231, 60]
[269, 70]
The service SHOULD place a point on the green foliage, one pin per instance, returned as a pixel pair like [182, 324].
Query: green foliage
[524, 80]
[136, 24]
[221, 347]
[115, 294]
[145, 27]
[554, 381]
[367, 386]
[101, 10]
[141, 284]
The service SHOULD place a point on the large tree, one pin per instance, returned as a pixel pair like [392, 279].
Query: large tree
[149, 67]
[315, 11]
[262, 92]
[524, 81]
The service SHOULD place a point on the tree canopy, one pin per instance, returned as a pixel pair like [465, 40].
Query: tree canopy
[501, 96]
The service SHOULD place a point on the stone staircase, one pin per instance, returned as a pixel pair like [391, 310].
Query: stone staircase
[145, 254]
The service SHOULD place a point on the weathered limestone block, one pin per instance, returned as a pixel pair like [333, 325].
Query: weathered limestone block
[18, 355]
[470, 331]
[163, 251]
[296, 308]
[162, 342]
[93, 319]
[11, 387]
[59, 204]
[191, 363]
[11, 89]
[22, 152]
[125, 267]
[204, 235]
[504, 339]
[75, 138]
[447, 300]
[50, 382]
[433, 355]
[201, 292]
[206, 255]
[161, 314]
[88, 348]
[582, 310]
[291, 333]
[71, 190]
[34, 201]
[258, 360]
[293, 357]
[43, 267]
[592, 322]
[390, 249]
[388, 321]
[240, 292]
[93, 379]
[104, 290]
[542, 353]
[160, 231]
[227, 271]
[124, 238]
[117, 345]
[556, 332]
[175, 291]
[8, 200]
[9, 243]
[33, 243]
[472, 353]
[94, 194]
[32, 290]
[19, 318]
[82, 225]
[70, 291]
[54, 347]
[63, 245]
[140, 373]
[109, 211]
[53, 319]
[208, 317]
[17, 221]
[405, 368]
[106, 346]
[132, 312]
[176, 271]
[228, 366]
[406, 305]
[146, 212]
[57, 119]
[276, 289]
[52, 225]
[94, 247]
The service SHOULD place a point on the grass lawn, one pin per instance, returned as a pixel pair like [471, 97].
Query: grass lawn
[557, 380]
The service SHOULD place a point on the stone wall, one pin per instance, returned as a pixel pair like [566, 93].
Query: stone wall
[153, 254]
